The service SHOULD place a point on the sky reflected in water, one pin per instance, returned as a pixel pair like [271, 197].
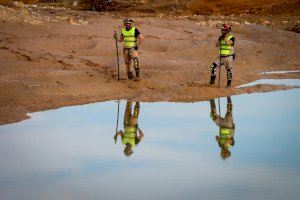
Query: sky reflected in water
[70, 153]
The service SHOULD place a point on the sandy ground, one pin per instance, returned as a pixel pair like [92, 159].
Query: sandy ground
[49, 61]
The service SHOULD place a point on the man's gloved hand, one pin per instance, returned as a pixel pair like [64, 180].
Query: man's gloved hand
[115, 138]
[136, 48]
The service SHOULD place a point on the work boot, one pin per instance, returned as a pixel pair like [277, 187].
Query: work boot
[228, 83]
[212, 104]
[212, 79]
[137, 74]
[130, 75]
[229, 100]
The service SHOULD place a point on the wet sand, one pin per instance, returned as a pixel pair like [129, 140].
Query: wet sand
[48, 61]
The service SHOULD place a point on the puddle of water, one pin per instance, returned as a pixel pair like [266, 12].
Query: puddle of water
[289, 82]
[281, 72]
[70, 153]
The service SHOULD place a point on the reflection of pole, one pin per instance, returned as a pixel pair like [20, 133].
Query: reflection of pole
[117, 125]
[219, 104]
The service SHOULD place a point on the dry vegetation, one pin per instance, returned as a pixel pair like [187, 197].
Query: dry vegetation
[208, 7]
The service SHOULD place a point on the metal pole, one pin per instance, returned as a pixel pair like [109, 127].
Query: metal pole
[118, 62]
[220, 65]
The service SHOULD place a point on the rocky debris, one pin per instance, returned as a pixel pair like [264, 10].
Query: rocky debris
[254, 7]
[284, 22]
[38, 14]
[294, 28]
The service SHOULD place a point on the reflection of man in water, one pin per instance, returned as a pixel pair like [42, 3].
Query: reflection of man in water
[225, 138]
[132, 135]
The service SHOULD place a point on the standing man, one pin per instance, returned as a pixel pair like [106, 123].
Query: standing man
[226, 52]
[226, 126]
[132, 134]
[132, 39]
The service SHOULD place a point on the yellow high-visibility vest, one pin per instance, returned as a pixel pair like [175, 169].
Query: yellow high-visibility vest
[225, 134]
[226, 50]
[129, 37]
[129, 135]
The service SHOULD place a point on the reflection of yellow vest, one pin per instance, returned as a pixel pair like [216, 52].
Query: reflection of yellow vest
[129, 135]
[129, 37]
[226, 50]
[224, 131]
[224, 136]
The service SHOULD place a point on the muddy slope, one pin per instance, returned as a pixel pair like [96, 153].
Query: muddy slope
[49, 60]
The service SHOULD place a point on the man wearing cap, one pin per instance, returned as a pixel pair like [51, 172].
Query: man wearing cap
[226, 52]
[132, 39]
[132, 134]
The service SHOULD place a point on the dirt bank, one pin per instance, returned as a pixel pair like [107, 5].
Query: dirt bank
[258, 7]
[50, 59]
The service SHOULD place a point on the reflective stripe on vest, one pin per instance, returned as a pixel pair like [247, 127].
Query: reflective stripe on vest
[129, 135]
[226, 50]
[129, 37]
[224, 137]
[224, 131]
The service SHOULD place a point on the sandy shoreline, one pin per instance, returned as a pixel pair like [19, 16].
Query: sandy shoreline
[52, 64]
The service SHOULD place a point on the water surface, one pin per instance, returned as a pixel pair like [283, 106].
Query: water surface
[70, 153]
